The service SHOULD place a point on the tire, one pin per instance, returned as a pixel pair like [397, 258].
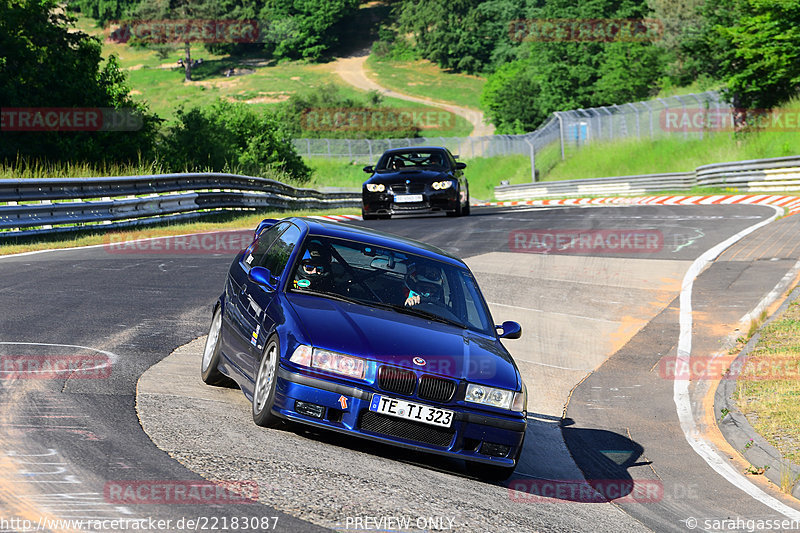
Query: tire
[366, 216]
[457, 213]
[209, 372]
[264, 389]
[466, 209]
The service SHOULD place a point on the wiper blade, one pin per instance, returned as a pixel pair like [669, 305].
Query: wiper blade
[332, 296]
[420, 313]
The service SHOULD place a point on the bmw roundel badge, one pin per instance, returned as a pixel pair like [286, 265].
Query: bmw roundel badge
[419, 361]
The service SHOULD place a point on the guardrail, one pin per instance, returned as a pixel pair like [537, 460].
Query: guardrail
[779, 174]
[39, 206]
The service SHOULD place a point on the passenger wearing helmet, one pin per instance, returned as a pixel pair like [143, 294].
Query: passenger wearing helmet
[314, 271]
[423, 282]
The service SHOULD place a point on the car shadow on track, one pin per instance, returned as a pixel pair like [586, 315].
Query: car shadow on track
[562, 463]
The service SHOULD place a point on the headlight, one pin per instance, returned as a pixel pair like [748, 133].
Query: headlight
[501, 398]
[376, 187]
[337, 363]
[441, 185]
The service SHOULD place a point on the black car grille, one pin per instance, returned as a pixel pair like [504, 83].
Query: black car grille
[436, 389]
[396, 380]
[406, 429]
[404, 188]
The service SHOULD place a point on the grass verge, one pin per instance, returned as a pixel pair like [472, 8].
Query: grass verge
[424, 79]
[768, 389]
[235, 220]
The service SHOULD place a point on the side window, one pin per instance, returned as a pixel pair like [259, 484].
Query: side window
[278, 255]
[255, 255]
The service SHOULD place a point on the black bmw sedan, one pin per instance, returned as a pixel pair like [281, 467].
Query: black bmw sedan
[421, 179]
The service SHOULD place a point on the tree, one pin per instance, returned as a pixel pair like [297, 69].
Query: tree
[307, 29]
[461, 35]
[228, 137]
[44, 63]
[563, 70]
[193, 12]
[760, 53]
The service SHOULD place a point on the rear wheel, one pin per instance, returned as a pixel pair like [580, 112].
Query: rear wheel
[211, 354]
[264, 391]
[368, 216]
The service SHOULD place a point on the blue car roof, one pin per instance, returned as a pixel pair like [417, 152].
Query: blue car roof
[376, 238]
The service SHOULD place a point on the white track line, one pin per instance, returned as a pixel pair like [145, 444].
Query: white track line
[681, 387]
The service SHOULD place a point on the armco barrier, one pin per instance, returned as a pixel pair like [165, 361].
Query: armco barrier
[780, 174]
[36, 206]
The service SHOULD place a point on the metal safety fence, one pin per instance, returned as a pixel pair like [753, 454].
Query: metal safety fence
[774, 175]
[686, 116]
[39, 206]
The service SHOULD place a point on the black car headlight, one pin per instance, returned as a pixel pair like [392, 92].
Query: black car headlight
[376, 187]
[442, 185]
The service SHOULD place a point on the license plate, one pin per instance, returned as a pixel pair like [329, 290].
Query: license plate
[411, 411]
[407, 198]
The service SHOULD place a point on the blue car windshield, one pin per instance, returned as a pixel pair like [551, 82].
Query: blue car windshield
[382, 277]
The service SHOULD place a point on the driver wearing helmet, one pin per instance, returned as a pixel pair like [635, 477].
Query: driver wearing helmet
[422, 282]
[314, 270]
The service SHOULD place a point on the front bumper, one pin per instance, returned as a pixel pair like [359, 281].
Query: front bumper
[472, 436]
[382, 203]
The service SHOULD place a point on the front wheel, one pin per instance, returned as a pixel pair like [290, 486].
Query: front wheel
[264, 391]
[211, 354]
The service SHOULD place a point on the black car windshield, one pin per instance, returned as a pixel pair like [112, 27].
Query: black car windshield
[419, 159]
[382, 277]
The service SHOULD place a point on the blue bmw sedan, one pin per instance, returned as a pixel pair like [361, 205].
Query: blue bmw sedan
[369, 334]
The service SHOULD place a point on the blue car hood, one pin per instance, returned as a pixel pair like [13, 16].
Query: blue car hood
[394, 338]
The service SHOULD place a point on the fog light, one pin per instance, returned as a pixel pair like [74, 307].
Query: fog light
[309, 409]
[495, 450]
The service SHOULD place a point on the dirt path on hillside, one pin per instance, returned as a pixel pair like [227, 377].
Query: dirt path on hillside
[352, 71]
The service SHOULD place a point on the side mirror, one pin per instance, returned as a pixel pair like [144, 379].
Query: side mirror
[511, 330]
[262, 276]
[460, 165]
[369, 169]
